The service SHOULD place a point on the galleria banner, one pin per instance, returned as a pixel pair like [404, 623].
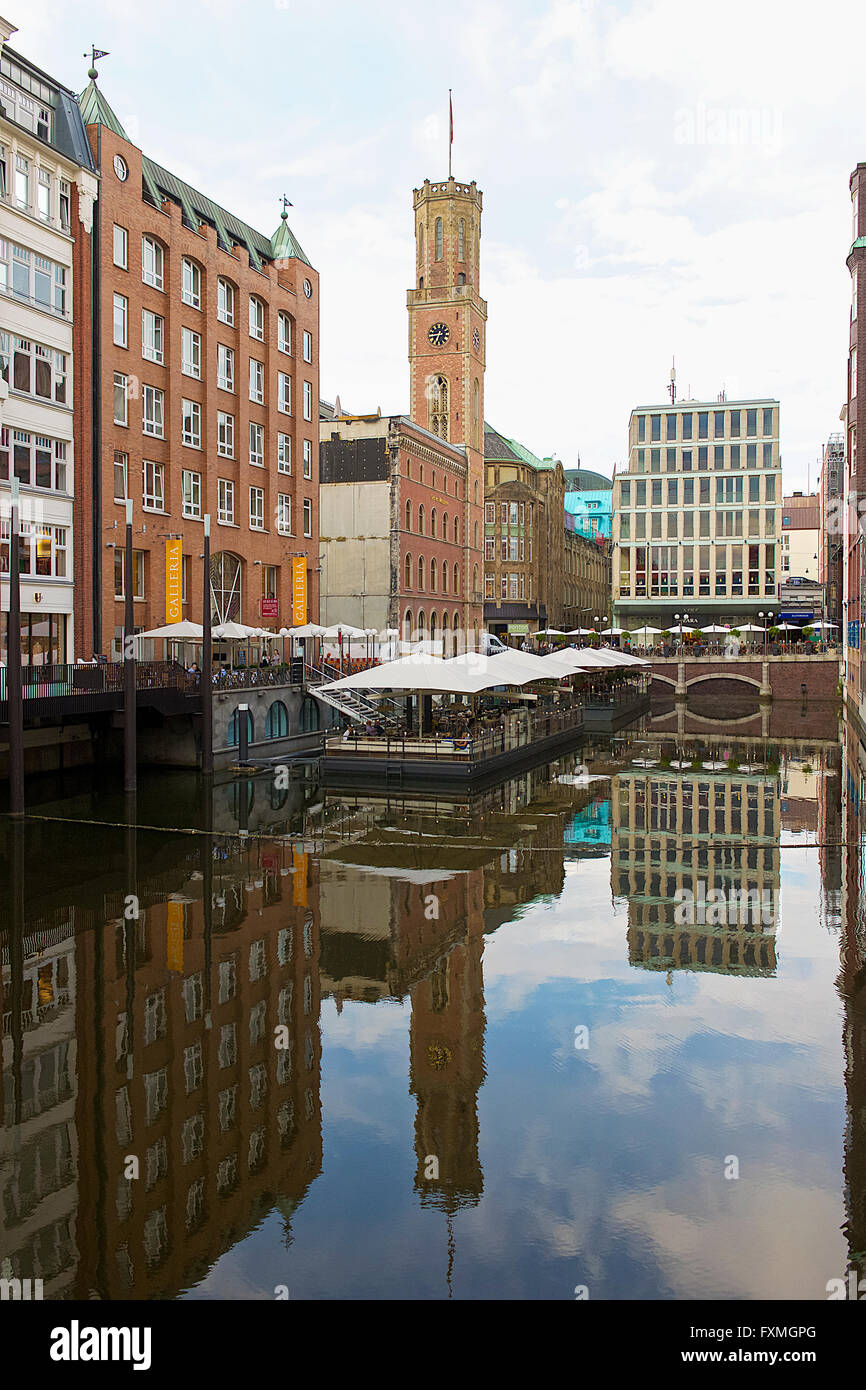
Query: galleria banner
[173, 581]
[299, 591]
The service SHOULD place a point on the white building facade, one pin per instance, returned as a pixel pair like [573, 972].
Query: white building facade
[697, 516]
[44, 153]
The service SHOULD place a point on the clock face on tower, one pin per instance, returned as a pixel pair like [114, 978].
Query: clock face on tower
[476, 340]
[438, 333]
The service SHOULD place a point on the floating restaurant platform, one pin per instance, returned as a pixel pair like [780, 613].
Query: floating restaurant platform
[389, 762]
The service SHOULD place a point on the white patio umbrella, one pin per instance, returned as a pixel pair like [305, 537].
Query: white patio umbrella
[714, 627]
[822, 623]
[581, 632]
[783, 627]
[644, 631]
[233, 632]
[752, 627]
[681, 628]
[613, 632]
[305, 630]
[176, 632]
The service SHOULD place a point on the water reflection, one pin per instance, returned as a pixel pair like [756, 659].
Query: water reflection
[200, 1022]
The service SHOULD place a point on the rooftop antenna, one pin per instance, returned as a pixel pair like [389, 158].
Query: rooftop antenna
[93, 55]
[673, 386]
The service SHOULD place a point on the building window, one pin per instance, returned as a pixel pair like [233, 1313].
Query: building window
[152, 336]
[438, 238]
[308, 458]
[308, 346]
[191, 423]
[308, 400]
[153, 492]
[225, 367]
[408, 572]
[121, 476]
[121, 399]
[137, 573]
[308, 517]
[225, 302]
[257, 319]
[461, 234]
[284, 332]
[284, 393]
[121, 247]
[190, 283]
[284, 514]
[257, 444]
[152, 408]
[121, 317]
[191, 493]
[284, 453]
[190, 353]
[225, 435]
[152, 262]
[438, 406]
[421, 572]
[257, 509]
[226, 501]
[257, 381]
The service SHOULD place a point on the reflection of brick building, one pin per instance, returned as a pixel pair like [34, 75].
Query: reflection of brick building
[701, 832]
[852, 990]
[178, 1063]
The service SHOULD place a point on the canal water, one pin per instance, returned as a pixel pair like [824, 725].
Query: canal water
[596, 1031]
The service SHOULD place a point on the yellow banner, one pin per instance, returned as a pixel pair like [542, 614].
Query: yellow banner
[299, 878]
[174, 936]
[299, 591]
[173, 581]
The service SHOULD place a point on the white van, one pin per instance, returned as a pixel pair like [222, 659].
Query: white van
[490, 645]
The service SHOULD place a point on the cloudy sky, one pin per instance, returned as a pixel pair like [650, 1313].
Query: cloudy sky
[662, 178]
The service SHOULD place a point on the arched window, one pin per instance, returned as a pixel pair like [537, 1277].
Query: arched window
[433, 576]
[438, 238]
[309, 721]
[421, 519]
[408, 571]
[421, 625]
[437, 396]
[444, 526]
[433, 626]
[461, 232]
[456, 579]
[433, 514]
[407, 625]
[421, 574]
[475, 536]
[456, 530]
[420, 282]
[474, 580]
[408, 516]
[232, 731]
[444, 577]
[476, 414]
[225, 587]
[461, 278]
[277, 722]
[475, 492]
[420, 243]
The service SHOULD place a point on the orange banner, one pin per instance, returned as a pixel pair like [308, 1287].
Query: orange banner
[299, 878]
[173, 581]
[299, 591]
[174, 936]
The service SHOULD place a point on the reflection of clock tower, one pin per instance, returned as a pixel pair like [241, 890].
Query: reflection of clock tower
[447, 325]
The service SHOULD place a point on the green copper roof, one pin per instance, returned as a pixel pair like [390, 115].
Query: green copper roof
[861, 241]
[159, 184]
[284, 244]
[95, 110]
[529, 457]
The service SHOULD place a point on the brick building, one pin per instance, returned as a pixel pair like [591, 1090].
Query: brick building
[47, 191]
[830, 535]
[854, 560]
[205, 383]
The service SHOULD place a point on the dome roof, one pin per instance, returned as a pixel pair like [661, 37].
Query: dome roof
[585, 480]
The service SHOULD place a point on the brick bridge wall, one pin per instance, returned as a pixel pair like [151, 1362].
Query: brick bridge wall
[777, 677]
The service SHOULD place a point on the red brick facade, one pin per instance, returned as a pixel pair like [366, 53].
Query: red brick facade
[264, 553]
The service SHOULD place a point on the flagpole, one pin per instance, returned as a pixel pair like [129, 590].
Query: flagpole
[450, 131]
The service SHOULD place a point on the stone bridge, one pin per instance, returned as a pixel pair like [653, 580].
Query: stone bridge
[813, 677]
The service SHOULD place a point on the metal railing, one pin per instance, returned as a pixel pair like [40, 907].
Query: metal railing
[56, 682]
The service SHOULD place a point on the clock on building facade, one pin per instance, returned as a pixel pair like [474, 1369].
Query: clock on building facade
[438, 333]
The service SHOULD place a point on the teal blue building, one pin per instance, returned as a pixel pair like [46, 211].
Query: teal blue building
[589, 498]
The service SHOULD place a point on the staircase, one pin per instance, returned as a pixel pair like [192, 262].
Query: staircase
[352, 703]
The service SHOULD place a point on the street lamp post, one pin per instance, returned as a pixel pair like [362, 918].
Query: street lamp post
[765, 619]
[681, 619]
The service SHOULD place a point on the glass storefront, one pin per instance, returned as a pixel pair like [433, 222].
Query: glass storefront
[43, 639]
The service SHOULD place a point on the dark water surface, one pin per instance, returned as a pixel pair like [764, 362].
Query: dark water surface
[358, 1048]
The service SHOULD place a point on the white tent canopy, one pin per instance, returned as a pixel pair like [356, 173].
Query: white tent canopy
[422, 673]
[502, 669]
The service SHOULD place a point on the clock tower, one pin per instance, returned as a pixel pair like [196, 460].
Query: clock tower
[447, 348]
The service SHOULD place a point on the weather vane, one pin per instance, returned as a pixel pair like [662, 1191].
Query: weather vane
[93, 55]
[286, 205]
